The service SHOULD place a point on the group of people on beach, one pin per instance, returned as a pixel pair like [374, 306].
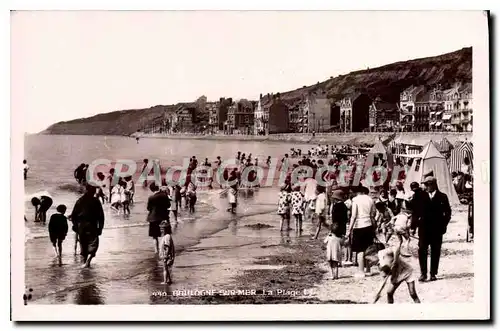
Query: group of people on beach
[362, 220]
[323, 151]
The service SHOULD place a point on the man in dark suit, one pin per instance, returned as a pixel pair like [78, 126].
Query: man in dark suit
[431, 217]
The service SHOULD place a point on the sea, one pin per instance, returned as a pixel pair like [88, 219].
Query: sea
[126, 270]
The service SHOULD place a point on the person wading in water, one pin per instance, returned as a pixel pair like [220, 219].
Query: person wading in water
[88, 216]
[158, 211]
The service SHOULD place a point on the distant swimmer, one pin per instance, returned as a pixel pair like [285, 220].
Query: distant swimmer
[26, 167]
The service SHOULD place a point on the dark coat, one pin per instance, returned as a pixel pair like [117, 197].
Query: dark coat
[88, 215]
[158, 207]
[340, 216]
[430, 216]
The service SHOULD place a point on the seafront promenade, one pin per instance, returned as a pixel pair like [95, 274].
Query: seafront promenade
[318, 138]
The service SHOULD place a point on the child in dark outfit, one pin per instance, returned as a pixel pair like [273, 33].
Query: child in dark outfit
[58, 229]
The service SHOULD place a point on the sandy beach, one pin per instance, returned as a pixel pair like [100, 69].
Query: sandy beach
[291, 269]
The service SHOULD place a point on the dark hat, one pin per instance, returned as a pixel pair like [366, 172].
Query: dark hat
[414, 185]
[338, 194]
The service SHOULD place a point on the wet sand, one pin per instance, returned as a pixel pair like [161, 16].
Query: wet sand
[290, 269]
[245, 260]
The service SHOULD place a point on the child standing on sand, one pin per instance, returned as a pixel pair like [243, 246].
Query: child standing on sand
[401, 225]
[321, 208]
[297, 207]
[167, 251]
[334, 250]
[284, 202]
[58, 229]
[383, 219]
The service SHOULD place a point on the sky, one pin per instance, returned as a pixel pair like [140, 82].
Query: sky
[67, 65]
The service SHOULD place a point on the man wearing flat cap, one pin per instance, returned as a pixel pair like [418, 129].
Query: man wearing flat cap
[432, 218]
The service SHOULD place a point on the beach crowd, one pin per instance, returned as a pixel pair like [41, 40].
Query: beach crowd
[360, 210]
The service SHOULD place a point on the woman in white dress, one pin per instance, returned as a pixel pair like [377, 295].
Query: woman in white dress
[117, 194]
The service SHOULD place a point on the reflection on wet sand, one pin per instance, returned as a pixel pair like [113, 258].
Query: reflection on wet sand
[89, 294]
[58, 272]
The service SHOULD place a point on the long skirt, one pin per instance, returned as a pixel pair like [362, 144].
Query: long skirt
[89, 243]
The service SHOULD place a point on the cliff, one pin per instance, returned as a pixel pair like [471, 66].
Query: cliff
[386, 81]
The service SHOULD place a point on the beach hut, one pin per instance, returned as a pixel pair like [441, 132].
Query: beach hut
[431, 160]
[458, 155]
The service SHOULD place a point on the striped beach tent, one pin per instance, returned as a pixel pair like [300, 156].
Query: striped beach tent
[458, 155]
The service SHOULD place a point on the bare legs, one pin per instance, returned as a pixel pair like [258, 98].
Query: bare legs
[321, 220]
[362, 263]
[166, 275]
[298, 223]
[411, 289]
[334, 269]
[156, 245]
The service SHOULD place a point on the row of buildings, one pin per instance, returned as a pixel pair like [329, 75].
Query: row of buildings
[420, 109]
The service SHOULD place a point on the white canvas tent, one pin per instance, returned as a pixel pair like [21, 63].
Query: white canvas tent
[376, 151]
[432, 160]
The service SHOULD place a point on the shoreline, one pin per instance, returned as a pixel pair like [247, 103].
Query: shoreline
[319, 138]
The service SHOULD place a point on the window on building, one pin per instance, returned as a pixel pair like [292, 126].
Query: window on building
[417, 164]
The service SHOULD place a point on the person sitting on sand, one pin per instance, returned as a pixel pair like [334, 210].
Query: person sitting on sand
[397, 269]
[58, 229]
[167, 251]
[333, 243]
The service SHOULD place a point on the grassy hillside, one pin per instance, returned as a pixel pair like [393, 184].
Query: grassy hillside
[386, 81]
